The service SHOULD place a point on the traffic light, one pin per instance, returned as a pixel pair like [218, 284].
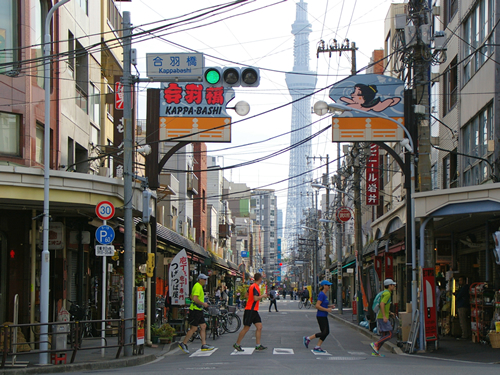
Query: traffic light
[281, 264]
[212, 76]
[250, 77]
[231, 76]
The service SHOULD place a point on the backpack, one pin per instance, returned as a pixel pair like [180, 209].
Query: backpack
[376, 302]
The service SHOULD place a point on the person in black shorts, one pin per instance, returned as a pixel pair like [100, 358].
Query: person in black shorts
[251, 315]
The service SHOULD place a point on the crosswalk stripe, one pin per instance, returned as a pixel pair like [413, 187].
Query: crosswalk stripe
[203, 353]
[325, 353]
[282, 351]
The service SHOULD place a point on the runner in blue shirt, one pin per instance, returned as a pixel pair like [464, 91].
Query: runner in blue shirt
[322, 316]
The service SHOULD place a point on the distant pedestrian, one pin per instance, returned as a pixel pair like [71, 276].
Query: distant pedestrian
[217, 294]
[223, 295]
[462, 305]
[251, 314]
[272, 299]
[322, 317]
[384, 326]
[305, 295]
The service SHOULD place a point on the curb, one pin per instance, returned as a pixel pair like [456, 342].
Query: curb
[101, 365]
[394, 348]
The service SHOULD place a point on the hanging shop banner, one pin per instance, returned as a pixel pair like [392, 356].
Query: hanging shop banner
[141, 293]
[389, 266]
[375, 93]
[373, 177]
[195, 112]
[178, 278]
[430, 317]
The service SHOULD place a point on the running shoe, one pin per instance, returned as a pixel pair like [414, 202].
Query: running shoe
[377, 355]
[306, 341]
[207, 347]
[260, 347]
[374, 348]
[184, 347]
[238, 347]
[318, 349]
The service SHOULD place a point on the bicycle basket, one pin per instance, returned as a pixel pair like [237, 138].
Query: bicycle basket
[231, 309]
[213, 310]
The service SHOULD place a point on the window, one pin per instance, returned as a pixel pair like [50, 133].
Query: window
[476, 136]
[71, 155]
[109, 106]
[95, 135]
[8, 34]
[271, 234]
[450, 170]
[71, 54]
[450, 86]
[40, 137]
[38, 13]
[114, 18]
[84, 5]
[451, 7]
[95, 106]
[82, 77]
[10, 127]
[478, 37]
[271, 223]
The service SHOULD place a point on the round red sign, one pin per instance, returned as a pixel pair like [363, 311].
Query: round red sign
[105, 210]
[344, 214]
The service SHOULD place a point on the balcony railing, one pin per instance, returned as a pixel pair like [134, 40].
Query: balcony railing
[192, 183]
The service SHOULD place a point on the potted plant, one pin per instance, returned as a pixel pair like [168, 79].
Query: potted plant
[165, 333]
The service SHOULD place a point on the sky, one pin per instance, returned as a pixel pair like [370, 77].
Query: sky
[258, 33]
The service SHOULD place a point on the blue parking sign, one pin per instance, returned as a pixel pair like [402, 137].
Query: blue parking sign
[105, 234]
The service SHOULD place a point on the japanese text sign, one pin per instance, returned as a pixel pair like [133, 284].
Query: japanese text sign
[178, 279]
[368, 94]
[175, 67]
[373, 177]
[195, 112]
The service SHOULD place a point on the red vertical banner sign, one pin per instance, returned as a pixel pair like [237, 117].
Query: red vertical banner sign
[373, 177]
[430, 318]
[389, 266]
[140, 314]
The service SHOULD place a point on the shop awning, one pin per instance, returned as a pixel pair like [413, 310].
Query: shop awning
[334, 272]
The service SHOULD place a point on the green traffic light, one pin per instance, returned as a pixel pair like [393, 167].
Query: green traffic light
[212, 76]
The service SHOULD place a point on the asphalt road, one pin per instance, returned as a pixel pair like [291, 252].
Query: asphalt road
[348, 353]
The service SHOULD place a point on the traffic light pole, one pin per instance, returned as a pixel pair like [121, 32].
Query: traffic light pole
[127, 184]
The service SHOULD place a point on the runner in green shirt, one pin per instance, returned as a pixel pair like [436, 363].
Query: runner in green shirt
[383, 324]
[196, 315]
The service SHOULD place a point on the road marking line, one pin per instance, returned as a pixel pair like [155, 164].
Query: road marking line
[325, 353]
[203, 353]
[282, 351]
[246, 351]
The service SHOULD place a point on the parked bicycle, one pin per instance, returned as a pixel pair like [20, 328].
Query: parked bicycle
[219, 321]
[305, 303]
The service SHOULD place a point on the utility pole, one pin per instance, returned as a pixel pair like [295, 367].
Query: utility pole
[357, 225]
[326, 182]
[338, 237]
[127, 183]
[336, 47]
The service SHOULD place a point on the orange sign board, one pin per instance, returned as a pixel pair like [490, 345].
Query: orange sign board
[201, 129]
[352, 129]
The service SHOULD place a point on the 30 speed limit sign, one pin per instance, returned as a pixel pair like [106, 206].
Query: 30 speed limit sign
[105, 210]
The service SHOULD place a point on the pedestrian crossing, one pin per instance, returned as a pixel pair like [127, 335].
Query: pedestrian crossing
[281, 351]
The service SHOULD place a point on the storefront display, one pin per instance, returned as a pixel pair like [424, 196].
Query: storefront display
[482, 308]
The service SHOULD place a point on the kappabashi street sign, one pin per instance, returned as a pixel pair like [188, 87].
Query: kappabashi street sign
[196, 112]
[175, 67]
[373, 93]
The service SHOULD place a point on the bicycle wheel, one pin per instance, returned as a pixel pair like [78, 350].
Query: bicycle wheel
[308, 304]
[300, 304]
[233, 322]
[215, 327]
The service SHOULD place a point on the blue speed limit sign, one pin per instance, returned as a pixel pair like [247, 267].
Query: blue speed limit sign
[105, 234]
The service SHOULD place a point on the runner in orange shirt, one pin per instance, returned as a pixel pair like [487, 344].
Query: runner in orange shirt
[251, 315]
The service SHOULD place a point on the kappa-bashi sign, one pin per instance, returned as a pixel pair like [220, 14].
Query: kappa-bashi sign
[370, 93]
[179, 67]
[196, 112]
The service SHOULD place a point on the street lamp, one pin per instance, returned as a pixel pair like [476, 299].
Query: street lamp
[321, 108]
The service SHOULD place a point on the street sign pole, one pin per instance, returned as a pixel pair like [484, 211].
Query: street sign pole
[103, 306]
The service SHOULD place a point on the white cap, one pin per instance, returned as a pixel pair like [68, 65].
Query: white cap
[388, 282]
[202, 276]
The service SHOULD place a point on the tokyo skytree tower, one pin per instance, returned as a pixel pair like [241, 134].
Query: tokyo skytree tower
[301, 82]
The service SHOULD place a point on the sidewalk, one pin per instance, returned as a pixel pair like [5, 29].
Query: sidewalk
[449, 347]
[86, 360]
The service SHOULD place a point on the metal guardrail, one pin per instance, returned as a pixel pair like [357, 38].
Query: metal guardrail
[75, 333]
